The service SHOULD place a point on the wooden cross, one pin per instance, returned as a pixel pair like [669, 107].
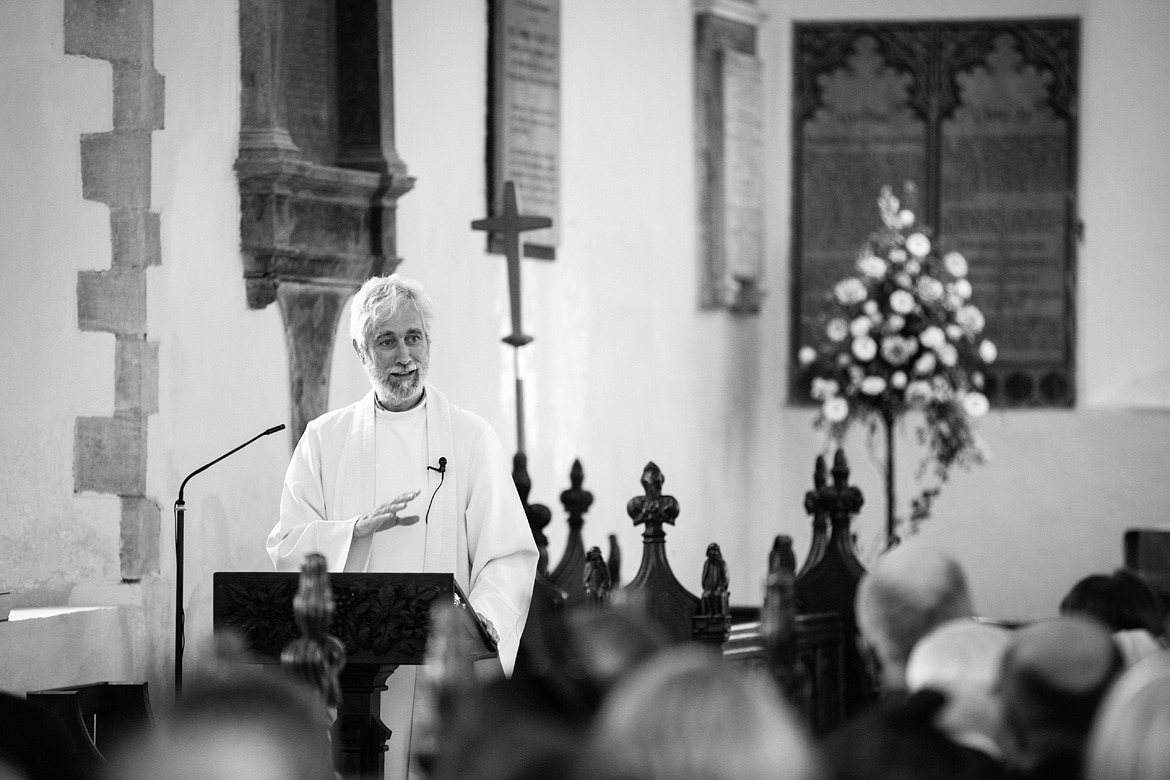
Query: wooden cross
[510, 224]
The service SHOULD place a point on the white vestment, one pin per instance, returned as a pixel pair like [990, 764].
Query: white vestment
[476, 527]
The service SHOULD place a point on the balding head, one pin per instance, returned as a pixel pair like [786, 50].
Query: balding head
[907, 593]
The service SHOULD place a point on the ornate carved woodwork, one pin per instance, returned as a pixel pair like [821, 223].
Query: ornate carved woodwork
[662, 595]
[830, 584]
[381, 619]
[570, 571]
[315, 656]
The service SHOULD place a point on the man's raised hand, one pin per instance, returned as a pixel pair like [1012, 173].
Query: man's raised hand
[386, 516]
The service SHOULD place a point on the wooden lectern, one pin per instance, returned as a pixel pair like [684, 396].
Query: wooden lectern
[382, 619]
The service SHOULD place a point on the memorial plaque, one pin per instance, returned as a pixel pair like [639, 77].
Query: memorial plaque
[525, 123]
[864, 135]
[729, 154]
[979, 115]
[743, 165]
[1006, 174]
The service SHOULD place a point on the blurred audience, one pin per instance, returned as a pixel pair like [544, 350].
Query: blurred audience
[908, 592]
[961, 659]
[1124, 602]
[1131, 737]
[685, 715]
[239, 723]
[1055, 673]
[898, 739]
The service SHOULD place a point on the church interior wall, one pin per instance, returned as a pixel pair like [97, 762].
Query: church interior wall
[625, 368]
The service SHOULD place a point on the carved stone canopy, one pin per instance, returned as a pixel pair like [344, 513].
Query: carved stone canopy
[318, 173]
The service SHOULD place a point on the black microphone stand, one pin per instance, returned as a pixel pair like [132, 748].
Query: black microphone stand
[180, 511]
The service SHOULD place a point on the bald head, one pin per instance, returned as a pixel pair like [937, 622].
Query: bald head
[907, 593]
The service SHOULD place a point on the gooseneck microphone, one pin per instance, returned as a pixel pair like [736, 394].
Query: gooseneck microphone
[180, 511]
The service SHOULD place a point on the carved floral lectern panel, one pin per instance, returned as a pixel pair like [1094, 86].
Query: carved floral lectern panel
[982, 117]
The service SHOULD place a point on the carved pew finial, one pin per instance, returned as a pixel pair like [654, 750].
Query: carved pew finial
[778, 623]
[666, 600]
[538, 515]
[829, 584]
[816, 504]
[316, 656]
[652, 509]
[570, 571]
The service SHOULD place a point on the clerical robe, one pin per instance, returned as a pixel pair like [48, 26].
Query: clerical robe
[476, 527]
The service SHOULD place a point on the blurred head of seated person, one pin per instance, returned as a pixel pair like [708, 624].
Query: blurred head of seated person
[511, 729]
[907, 592]
[1125, 603]
[961, 659]
[899, 739]
[686, 715]
[1054, 676]
[597, 648]
[239, 723]
[1131, 735]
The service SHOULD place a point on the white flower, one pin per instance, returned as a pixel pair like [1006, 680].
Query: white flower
[962, 288]
[898, 350]
[873, 385]
[902, 302]
[824, 388]
[988, 351]
[917, 392]
[954, 332]
[806, 355]
[837, 330]
[850, 291]
[942, 388]
[898, 380]
[906, 216]
[948, 355]
[872, 266]
[929, 288]
[918, 245]
[870, 307]
[976, 404]
[977, 379]
[897, 255]
[970, 318]
[925, 364]
[835, 409]
[894, 324]
[932, 337]
[903, 280]
[956, 264]
[843, 359]
[913, 266]
[864, 348]
[860, 326]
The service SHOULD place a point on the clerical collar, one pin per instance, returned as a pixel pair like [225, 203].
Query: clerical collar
[380, 407]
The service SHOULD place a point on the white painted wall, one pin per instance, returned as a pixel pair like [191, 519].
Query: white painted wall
[625, 367]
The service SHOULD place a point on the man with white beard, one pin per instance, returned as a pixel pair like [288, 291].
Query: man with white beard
[405, 481]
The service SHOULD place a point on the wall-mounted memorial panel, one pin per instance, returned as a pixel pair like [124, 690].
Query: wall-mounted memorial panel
[982, 117]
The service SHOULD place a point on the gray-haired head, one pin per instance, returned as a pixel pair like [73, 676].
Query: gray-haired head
[385, 296]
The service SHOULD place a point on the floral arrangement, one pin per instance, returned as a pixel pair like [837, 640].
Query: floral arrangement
[902, 336]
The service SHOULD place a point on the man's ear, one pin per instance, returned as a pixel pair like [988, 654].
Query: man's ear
[358, 350]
